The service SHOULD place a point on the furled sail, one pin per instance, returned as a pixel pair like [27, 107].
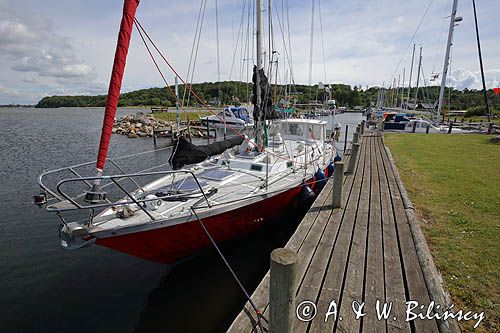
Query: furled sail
[129, 9]
[265, 110]
[185, 152]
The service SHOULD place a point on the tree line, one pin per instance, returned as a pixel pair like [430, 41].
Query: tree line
[235, 92]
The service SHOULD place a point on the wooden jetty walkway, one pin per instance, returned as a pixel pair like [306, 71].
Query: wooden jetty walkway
[364, 252]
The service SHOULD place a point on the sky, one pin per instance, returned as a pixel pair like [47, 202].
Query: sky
[55, 47]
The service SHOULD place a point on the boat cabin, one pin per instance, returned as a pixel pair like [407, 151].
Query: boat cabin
[301, 129]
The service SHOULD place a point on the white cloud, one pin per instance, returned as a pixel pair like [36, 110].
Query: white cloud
[461, 78]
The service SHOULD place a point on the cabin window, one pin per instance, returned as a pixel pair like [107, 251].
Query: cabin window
[314, 132]
[293, 129]
[255, 167]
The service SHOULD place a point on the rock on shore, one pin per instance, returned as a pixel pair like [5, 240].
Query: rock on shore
[139, 125]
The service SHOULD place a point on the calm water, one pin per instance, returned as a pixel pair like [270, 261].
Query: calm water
[44, 288]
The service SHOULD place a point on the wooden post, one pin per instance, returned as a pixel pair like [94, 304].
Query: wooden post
[414, 127]
[358, 129]
[442, 118]
[427, 129]
[345, 137]
[338, 177]
[154, 138]
[380, 124]
[455, 120]
[282, 288]
[355, 137]
[450, 127]
[362, 127]
[490, 128]
[353, 157]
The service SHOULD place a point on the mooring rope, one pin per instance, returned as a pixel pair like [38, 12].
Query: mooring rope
[249, 299]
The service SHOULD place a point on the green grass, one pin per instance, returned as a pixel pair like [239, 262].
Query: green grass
[454, 182]
[172, 115]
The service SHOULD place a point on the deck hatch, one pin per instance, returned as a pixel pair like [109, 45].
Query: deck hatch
[216, 174]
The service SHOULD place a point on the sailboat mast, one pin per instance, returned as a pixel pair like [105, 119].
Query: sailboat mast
[446, 58]
[411, 72]
[418, 76]
[129, 9]
[403, 88]
[260, 65]
[485, 95]
[177, 104]
[397, 91]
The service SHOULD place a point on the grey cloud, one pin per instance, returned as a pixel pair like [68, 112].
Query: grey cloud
[32, 46]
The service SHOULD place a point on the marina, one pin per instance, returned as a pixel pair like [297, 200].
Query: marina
[370, 250]
[249, 166]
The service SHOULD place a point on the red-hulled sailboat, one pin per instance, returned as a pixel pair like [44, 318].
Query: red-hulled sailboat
[231, 187]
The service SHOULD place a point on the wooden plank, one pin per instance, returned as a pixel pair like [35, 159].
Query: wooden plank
[415, 284]
[364, 253]
[299, 242]
[374, 276]
[310, 286]
[354, 280]
[246, 319]
[332, 285]
[393, 273]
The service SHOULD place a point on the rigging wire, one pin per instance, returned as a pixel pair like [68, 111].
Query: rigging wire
[201, 100]
[218, 55]
[322, 39]
[292, 76]
[442, 30]
[311, 45]
[196, 52]
[237, 44]
[257, 311]
[192, 48]
[158, 67]
[412, 38]
[285, 48]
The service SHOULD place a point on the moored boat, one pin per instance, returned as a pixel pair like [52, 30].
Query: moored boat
[219, 191]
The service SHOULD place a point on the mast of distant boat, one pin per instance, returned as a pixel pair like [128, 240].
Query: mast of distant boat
[411, 72]
[453, 20]
[418, 77]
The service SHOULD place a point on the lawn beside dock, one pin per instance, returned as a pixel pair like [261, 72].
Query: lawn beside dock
[454, 183]
[171, 115]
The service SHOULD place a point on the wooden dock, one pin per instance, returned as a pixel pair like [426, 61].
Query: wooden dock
[365, 252]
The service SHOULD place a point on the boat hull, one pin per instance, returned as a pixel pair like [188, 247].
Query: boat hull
[172, 243]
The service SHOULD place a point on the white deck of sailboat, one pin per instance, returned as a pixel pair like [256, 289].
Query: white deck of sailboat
[239, 177]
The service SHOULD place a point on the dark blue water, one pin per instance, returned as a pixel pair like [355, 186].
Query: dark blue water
[44, 288]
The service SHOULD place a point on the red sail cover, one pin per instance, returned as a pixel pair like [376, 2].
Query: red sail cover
[497, 91]
[129, 8]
